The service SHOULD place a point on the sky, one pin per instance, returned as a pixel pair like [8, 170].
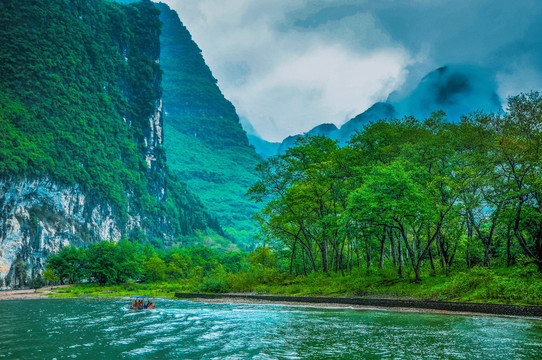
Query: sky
[289, 65]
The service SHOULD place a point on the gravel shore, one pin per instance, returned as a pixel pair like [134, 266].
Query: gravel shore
[26, 293]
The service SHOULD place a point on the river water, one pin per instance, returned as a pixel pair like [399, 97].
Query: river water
[103, 329]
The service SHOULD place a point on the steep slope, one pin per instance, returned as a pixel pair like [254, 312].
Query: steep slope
[81, 134]
[455, 89]
[206, 145]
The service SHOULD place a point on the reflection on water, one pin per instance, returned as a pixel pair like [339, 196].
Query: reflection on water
[103, 329]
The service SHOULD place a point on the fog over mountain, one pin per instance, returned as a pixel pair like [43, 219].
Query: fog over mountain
[289, 65]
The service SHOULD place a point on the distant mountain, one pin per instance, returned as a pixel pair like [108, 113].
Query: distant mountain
[206, 145]
[263, 147]
[455, 89]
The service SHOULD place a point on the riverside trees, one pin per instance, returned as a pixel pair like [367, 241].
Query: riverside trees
[410, 193]
[109, 262]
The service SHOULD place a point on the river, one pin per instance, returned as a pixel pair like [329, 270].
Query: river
[103, 329]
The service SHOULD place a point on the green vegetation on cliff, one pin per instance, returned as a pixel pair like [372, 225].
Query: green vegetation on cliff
[63, 77]
[206, 145]
[79, 82]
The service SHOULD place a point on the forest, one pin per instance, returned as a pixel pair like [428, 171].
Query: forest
[411, 194]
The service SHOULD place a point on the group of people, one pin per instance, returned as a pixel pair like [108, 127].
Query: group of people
[140, 304]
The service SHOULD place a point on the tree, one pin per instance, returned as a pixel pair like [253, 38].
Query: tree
[68, 264]
[127, 261]
[155, 268]
[178, 266]
[519, 155]
[101, 263]
[50, 276]
[391, 198]
[36, 283]
[304, 199]
[262, 256]
[21, 272]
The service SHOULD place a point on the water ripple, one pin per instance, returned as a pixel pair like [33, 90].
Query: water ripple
[104, 329]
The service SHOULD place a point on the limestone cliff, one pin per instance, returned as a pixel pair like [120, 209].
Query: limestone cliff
[81, 132]
[40, 216]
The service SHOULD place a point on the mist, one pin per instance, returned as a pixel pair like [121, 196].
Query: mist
[288, 66]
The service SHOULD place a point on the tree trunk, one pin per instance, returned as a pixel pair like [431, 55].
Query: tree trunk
[358, 258]
[292, 258]
[431, 259]
[486, 253]
[348, 255]
[393, 250]
[400, 260]
[341, 257]
[382, 249]
[469, 241]
[508, 248]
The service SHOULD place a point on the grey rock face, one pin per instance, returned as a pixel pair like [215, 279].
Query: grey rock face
[39, 216]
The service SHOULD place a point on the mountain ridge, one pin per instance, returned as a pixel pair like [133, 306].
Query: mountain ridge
[456, 89]
[207, 147]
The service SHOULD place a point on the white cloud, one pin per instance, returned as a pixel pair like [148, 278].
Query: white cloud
[325, 84]
[289, 65]
[286, 80]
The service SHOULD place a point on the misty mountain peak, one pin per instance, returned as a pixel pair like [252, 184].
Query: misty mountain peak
[455, 89]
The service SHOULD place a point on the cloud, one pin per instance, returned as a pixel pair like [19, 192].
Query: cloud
[325, 84]
[289, 65]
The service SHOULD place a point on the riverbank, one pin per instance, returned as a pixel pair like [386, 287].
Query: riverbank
[28, 293]
[317, 301]
[359, 302]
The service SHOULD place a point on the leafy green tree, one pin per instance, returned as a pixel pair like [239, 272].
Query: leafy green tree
[390, 197]
[262, 256]
[50, 276]
[102, 264]
[69, 264]
[155, 269]
[519, 155]
[128, 263]
[304, 199]
[178, 265]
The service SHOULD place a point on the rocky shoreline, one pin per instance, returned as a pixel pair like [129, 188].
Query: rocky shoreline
[358, 302]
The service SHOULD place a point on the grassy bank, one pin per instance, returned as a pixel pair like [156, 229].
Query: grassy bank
[164, 290]
[515, 285]
[477, 285]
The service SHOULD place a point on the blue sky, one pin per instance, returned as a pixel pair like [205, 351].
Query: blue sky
[289, 65]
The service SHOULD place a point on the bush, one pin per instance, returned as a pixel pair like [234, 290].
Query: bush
[213, 285]
[466, 282]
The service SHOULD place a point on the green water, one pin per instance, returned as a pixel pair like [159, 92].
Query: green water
[102, 329]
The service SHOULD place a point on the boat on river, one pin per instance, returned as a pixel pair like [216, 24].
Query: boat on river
[140, 303]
